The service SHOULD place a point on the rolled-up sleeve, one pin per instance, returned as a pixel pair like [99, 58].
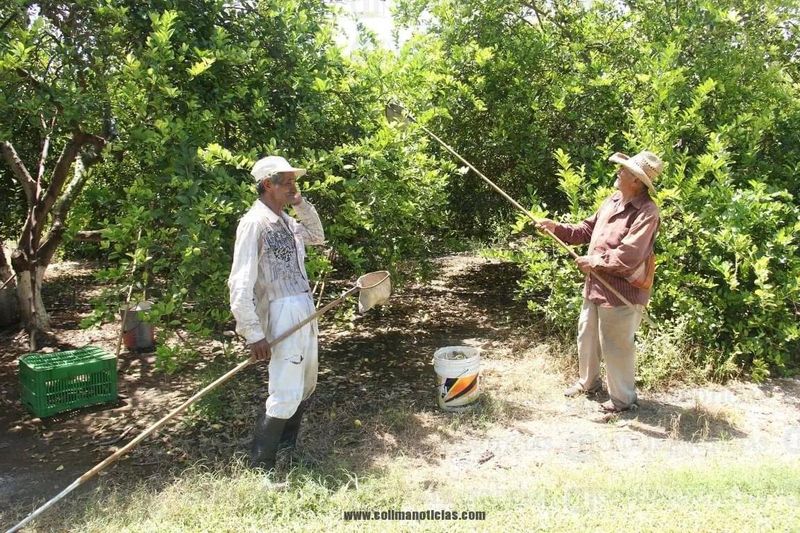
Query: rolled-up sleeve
[242, 281]
[310, 226]
[634, 248]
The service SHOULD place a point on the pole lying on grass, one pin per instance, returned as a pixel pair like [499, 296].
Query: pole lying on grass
[375, 289]
[396, 112]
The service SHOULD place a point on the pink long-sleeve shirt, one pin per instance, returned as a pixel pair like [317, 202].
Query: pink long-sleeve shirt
[620, 236]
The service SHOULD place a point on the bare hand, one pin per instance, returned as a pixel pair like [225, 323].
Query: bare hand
[584, 263]
[260, 350]
[297, 199]
[547, 224]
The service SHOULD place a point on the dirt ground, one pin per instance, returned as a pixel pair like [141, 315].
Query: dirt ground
[376, 398]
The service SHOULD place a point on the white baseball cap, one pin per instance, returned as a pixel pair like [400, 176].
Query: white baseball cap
[271, 165]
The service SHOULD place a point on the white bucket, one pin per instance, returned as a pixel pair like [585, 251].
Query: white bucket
[138, 335]
[458, 374]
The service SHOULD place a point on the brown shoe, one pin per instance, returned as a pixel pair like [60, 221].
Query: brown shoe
[577, 389]
[610, 407]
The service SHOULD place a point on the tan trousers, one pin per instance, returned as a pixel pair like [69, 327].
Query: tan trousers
[609, 331]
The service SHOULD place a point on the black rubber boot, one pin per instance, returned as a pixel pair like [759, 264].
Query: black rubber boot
[292, 427]
[266, 439]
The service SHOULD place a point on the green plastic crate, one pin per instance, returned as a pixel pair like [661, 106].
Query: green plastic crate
[56, 382]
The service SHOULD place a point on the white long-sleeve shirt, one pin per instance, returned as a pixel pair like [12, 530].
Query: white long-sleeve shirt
[269, 263]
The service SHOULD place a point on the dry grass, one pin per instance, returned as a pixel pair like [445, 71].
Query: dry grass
[704, 421]
[719, 412]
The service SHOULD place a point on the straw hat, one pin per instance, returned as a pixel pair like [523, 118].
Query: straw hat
[645, 165]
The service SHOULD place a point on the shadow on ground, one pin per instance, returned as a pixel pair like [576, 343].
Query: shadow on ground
[376, 396]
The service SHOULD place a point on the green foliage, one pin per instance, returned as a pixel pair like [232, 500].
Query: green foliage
[666, 356]
[389, 191]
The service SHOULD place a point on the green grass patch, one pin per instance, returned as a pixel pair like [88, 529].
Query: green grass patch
[709, 496]
[712, 496]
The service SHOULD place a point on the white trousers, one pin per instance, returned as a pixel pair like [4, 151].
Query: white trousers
[293, 365]
[609, 332]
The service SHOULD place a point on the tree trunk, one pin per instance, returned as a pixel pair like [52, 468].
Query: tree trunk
[34, 253]
[30, 302]
[5, 268]
[9, 309]
[29, 296]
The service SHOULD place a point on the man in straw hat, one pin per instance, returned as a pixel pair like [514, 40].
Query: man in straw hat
[621, 236]
[269, 294]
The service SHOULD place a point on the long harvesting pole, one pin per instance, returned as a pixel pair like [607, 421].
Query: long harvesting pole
[516, 204]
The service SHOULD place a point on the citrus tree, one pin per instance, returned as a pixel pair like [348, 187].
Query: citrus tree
[56, 63]
[540, 94]
[205, 95]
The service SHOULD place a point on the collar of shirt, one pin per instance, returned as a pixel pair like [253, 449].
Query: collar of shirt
[637, 201]
[271, 215]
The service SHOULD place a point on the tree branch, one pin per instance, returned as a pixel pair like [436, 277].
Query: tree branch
[536, 11]
[45, 146]
[8, 21]
[89, 235]
[40, 86]
[529, 23]
[20, 171]
[73, 190]
[68, 155]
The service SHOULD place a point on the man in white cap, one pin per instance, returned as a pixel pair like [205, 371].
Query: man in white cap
[269, 294]
[621, 236]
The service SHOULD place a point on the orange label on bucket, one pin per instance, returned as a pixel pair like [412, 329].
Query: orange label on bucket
[455, 388]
